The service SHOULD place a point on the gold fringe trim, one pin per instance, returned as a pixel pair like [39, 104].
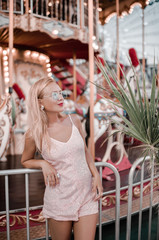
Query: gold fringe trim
[20, 219]
[110, 200]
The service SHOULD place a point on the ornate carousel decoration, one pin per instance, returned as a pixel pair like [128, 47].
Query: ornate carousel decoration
[110, 200]
[19, 220]
[5, 120]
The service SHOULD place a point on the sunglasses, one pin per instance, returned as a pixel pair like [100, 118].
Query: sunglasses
[56, 95]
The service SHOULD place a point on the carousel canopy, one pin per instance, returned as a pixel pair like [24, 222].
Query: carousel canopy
[58, 48]
[42, 42]
[131, 35]
[108, 8]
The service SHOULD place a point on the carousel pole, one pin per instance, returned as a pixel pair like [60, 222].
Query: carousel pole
[74, 78]
[91, 76]
[1, 82]
[10, 45]
[158, 75]
[143, 46]
[117, 39]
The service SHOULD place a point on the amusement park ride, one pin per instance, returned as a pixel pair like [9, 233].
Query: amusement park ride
[51, 38]
[46, 34]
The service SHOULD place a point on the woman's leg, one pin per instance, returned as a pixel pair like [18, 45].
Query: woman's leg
[60, 230]
[85, 227]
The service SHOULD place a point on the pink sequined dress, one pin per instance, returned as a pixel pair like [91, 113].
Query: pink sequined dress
[73, 197]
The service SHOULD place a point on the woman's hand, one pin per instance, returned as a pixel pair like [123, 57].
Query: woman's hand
[97, 187]
[51, 176]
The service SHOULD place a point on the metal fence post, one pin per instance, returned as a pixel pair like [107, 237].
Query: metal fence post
[130, 186]
[117, 207]
[7, 206]
[151, 196]
[141, 198]
[100, 209]
[27, 203]
[47, 230]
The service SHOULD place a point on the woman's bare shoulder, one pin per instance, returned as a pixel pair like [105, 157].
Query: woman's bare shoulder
[76, 120]
[74, 117]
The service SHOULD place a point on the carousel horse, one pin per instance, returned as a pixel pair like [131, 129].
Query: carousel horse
[18, 106]
[135, 71]
[5, 126]
[20, 98]
[19, 119]
[131, 72]
[122, 162]
[115, 143]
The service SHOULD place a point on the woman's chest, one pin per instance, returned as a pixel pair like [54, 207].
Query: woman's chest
[61, 133]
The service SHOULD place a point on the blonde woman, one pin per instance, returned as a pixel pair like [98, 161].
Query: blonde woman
[73, 185]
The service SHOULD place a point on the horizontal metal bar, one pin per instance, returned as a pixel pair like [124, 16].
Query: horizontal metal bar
[18, 171]
[22, 210]
[126, 187]
[125, 216]
[27, 170]
[7, 11]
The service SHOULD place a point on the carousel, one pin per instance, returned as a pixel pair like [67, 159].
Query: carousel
[62, 39]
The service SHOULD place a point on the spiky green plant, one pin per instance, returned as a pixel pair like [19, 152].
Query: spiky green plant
[143, 122]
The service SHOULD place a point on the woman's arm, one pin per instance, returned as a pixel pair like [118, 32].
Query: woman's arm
[97, 185]
[28, 161]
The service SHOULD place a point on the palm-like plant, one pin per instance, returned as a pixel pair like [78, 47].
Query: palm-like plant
[143, 122]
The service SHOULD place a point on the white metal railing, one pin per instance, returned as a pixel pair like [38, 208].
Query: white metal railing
[130, 187]
[100, 165]
[117, 190]
[6, 174]
[18, 6]
[71, 11]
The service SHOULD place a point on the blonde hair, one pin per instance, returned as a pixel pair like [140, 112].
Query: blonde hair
[37, 118]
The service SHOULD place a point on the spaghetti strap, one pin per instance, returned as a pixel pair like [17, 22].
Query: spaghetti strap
[70, 119]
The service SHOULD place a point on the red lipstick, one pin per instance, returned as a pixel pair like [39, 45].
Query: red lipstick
[60, 104]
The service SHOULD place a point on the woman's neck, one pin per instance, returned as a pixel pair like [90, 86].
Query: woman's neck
[52, 118]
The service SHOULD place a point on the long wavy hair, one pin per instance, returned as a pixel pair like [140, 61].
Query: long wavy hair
[37, 118]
